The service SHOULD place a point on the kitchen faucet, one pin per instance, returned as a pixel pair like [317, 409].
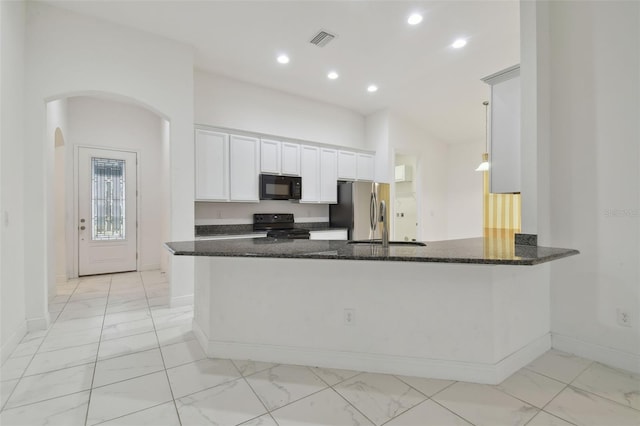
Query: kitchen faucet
[385, 224]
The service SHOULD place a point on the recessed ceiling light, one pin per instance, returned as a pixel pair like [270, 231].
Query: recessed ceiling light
[332, 75]
[459, 43]
[283, 59]
[414, 19]
[372, 88]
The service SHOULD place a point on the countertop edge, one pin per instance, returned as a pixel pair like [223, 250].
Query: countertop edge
[450, 260]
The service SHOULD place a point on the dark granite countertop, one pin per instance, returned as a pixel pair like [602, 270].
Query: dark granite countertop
[492, 251]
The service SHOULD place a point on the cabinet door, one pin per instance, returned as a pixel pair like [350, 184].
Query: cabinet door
[212, 172]
[333, 234]
[290, 159]
[310, 173]
[346, 165]
[270, 156]
[244, 168]
[505, 136]
[365, 167]
[328, 175]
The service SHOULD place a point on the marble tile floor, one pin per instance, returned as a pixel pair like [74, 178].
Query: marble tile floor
[116, 354]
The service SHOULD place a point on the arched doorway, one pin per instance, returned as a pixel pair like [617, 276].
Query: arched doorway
[109, 124]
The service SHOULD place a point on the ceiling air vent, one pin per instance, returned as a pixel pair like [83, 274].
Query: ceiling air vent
[322, 38]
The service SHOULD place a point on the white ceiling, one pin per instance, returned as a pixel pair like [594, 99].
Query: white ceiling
[418, 73]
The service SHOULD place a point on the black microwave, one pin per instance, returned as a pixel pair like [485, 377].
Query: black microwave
[274, 187]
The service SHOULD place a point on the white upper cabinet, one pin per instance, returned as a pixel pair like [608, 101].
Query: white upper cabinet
[310, 173]
[319, 171]
[355, 166]
[211, 166]
[347, 165]
[279, 157]
[244, 168]
[504, 157]
[290, 159]
[228, 167]
[270, 156]
[328, 175]
[365, 167]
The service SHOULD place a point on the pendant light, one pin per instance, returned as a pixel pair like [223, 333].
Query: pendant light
[484, 166]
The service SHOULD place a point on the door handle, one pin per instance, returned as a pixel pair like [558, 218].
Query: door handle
[82, 228]
[373, 211]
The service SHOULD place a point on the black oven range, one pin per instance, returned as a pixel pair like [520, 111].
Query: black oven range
[278, 225]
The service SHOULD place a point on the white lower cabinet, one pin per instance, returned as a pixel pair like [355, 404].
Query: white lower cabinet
[328, 234]
[232, 237]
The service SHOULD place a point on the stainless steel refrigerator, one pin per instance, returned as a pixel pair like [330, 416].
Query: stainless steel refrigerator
[358, 209]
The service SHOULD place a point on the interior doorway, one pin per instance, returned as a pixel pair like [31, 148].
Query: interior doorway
[107, 211]
[405, 199]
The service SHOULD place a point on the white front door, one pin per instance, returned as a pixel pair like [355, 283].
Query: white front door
[106, 211]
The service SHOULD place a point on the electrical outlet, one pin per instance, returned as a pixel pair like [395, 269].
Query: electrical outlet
[623, 318]
[349, 316]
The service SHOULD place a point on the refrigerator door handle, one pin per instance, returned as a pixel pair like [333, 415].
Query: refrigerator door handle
[373, 211]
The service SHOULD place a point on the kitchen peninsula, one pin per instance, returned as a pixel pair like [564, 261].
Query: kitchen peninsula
[473, 310]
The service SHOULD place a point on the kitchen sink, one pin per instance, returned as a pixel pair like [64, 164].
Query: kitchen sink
[391, 243]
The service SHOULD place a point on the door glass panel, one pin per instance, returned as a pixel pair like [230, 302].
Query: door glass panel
[107, 199]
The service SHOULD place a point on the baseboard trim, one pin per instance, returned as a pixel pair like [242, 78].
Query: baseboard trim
[377, 363]
[12, 342]
[609, 356]
[524, 356]
[36, 324]
[149, 267]
[181, 301]
[200, 337]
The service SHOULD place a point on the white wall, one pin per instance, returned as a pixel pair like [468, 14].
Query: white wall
[224, 102]
[405, 207]
[377, 139]
[534, 120]
[12, 291]
[464, 190]
[594, 191]
[165, 132]
[70, 54]
[103, 123]
[56, 135]
[242, 213]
